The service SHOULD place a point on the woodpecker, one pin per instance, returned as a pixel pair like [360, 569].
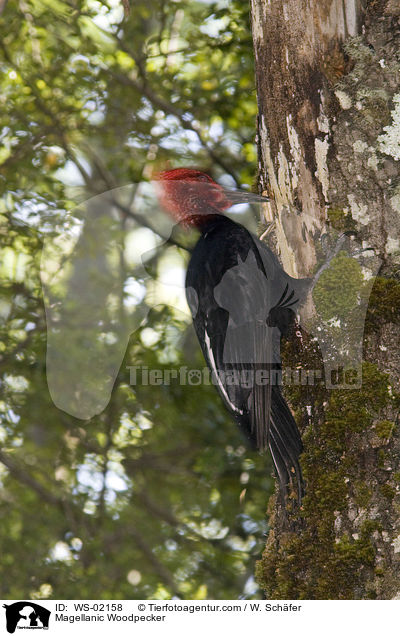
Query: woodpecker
[242, 303]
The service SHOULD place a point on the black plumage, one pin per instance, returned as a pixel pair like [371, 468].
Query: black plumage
[242, 303]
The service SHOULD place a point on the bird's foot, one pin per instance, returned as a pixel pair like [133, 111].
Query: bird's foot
[268, 230]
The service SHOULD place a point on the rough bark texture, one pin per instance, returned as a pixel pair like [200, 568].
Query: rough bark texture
[328, 81]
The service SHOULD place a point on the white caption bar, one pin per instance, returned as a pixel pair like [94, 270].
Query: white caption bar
[238, 618]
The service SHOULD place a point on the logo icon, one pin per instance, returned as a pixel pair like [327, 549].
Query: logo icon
[26, 615]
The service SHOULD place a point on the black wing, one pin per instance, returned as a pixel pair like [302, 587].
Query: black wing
[237, 299]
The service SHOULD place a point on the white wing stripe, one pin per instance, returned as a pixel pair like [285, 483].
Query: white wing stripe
[216, 374]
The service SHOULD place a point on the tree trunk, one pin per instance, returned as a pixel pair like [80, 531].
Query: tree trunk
[328, 82]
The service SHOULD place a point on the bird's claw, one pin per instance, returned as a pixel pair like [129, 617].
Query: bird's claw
[269, 227]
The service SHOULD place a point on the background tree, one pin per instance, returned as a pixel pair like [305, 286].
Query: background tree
[157, 496]
[328, 94]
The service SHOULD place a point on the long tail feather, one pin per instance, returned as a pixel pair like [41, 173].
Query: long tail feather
[285, 444]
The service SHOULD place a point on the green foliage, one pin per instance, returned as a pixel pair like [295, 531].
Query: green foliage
[157, 495]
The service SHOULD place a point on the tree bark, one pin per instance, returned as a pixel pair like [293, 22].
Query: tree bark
[328, 83]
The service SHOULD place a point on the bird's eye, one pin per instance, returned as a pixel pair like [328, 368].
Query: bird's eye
[202, 177]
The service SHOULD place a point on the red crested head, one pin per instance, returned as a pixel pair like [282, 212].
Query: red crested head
[190, 195]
